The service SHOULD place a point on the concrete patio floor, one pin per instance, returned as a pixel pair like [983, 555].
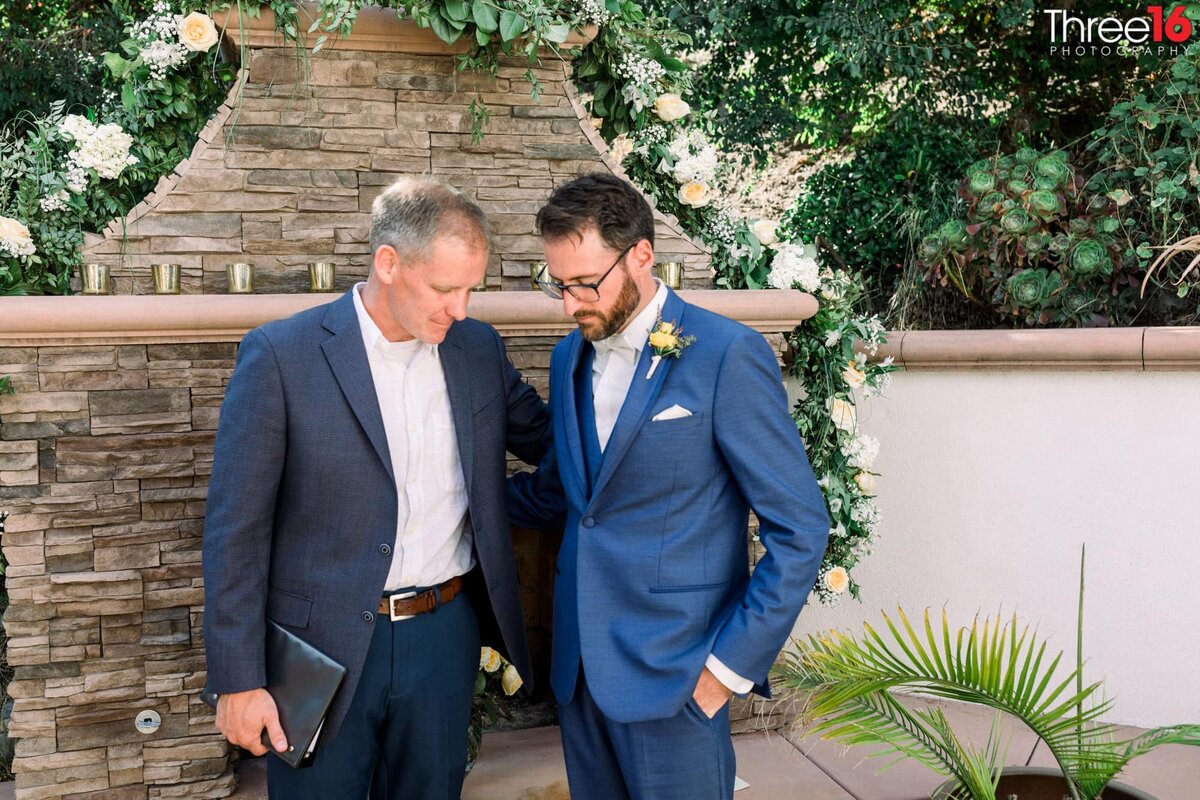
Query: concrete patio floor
[528, 765]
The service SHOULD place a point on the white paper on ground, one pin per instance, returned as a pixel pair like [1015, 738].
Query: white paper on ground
[739, 784]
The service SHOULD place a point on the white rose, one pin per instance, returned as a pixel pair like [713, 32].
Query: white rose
[843, 414]
[694, 193]
[837, 580]
[620, 148]
[670, 107]
[866, 483]
[765, 231]
[197, 32]
[833, 337]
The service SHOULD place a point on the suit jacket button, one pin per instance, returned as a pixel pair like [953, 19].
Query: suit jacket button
[589, 522]
[368, 616]
[385, 549]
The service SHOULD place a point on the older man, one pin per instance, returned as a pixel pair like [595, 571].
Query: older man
[357, 497]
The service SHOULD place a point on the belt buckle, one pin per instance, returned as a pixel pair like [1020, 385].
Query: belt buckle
[392, 606]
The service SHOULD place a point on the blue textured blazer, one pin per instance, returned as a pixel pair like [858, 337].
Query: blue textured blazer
[302, 498]
[653, 573]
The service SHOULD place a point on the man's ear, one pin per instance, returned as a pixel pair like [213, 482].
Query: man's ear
[641, 256]
[385, 264]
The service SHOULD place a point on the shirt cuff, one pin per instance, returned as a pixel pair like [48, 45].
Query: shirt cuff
[734, 682]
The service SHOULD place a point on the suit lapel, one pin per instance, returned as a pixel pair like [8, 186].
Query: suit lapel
[458, 385]
[347, 356]
[639, 400]
[567, 423]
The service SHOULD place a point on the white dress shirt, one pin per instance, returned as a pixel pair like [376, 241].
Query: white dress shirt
[432, 542]
[612, 374]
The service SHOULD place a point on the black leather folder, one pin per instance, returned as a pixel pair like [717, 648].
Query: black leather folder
[303, 682]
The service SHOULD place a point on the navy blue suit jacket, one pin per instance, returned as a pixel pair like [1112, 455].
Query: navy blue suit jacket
[653, 573]
[302, 496]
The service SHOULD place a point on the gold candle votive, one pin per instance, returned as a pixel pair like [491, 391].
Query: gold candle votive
[321, 276]
[96, 278]
[670, 273]
[166, 278]
[241, 278]
[537, 272]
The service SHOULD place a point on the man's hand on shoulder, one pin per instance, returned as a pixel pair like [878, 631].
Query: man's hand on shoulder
[242, 716]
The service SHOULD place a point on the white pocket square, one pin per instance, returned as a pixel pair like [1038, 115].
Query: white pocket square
[674, 412]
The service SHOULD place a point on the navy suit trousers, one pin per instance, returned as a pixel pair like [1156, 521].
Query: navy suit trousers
[684, 757]
[405, 735]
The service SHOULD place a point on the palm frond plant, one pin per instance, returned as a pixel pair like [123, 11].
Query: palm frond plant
[853, 683]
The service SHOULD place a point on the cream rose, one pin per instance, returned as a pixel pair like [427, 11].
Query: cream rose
[510, 681]
[670, 107]
[489, 659]
[197, 32]
[620, 148]
[866, 483]
[694, 194]
[597, 122]
[15, 238]
[854, 377]
[843, 414]
[765, 230]
[837, 580]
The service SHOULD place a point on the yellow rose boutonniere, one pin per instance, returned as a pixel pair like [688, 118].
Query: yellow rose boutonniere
[668, 341]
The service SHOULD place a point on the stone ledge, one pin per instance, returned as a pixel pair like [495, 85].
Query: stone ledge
[375, 29]
[1095, 349]
[150, 319]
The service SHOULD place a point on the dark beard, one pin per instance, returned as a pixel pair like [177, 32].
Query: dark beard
[613, 321]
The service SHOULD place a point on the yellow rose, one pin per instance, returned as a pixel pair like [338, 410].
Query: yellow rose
[197, 32]
[866, 483]
[663, 340]
[837, 580]
[853, 376]
[694, 193]
[670, 107]
[489, 659]
[843, 414]
[510, 681]
[666, 327]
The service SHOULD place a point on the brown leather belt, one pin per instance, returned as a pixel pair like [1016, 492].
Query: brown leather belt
[401, 607]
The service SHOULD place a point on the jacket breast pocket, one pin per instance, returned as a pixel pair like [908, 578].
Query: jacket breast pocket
[669, 426]
[288, 609]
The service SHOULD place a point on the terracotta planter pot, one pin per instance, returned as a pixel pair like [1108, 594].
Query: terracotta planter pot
[1040, 783]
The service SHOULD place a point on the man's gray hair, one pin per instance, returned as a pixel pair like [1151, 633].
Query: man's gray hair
[414, 211]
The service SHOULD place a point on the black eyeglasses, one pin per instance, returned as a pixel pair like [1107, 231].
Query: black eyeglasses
[585, 292]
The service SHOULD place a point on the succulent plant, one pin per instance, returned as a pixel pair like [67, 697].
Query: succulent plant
[1053, 168]
[1034, 242]
[953, 233]
[1029, 287]
[980, 183]
[1088, 257]
[1026, 155]
[1017, 220]
[1044, 203]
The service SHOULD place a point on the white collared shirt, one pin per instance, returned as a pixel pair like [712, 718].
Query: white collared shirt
[612, 375]
[432, 543]
[615, 362]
